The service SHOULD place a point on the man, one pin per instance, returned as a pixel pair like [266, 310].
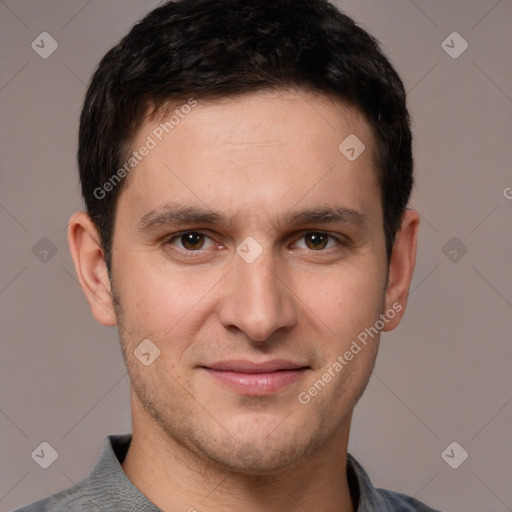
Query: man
[246, 168]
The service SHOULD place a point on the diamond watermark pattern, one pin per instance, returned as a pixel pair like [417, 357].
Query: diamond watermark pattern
[351, 147]
[44, 250]
[454, 249]
[454, 455]
[249, 250]
[146, 352]
[44, 45]
[454, 45]
[45, 455]
[249, 454]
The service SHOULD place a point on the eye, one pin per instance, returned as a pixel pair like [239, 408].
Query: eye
[190, 240]
[318, 240]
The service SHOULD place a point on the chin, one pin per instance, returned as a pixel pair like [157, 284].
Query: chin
[256, 458]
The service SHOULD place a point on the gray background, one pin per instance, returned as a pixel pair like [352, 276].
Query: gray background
[444, 375]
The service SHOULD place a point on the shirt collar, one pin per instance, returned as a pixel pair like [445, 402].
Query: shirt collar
[109, 478]
[108, 474]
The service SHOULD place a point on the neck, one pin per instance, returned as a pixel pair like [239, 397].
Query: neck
[175, 479]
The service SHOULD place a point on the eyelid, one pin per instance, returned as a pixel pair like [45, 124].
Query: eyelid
[340, 239]
[169, 239]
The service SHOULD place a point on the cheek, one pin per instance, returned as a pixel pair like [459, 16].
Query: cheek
[347, 299]
[162, 304]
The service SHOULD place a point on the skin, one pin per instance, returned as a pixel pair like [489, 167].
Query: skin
[198, 444]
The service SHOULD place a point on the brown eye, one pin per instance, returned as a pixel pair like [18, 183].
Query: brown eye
[189, 240]
[316, 241]
[192, 240]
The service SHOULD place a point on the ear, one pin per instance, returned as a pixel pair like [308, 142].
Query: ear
[85, 247]
[401, 267]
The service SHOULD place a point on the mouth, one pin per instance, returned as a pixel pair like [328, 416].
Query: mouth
[256, 379]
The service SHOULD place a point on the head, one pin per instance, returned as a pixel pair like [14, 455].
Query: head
[225, 222]
[207, 50]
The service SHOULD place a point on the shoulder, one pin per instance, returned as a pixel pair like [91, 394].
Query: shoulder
[38, 506]
[70, 500]
[401, 503]
[106, 487]
[82, 495]
[371, 499]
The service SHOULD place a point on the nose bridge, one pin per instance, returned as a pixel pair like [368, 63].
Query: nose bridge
[257, 301]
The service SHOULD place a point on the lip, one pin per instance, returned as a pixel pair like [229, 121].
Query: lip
[256, 379]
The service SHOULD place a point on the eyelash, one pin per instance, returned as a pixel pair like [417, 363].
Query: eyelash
[191, 253]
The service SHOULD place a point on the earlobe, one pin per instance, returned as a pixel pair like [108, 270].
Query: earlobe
[88, 258]
[401, 267]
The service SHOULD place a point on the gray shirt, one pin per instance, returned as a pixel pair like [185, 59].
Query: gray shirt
[107, 488]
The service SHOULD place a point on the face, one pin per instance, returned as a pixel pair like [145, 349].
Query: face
[250, 251]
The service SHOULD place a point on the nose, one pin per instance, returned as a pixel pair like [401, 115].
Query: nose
[257, 298]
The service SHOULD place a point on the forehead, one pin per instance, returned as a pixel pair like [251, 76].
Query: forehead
[264, 151]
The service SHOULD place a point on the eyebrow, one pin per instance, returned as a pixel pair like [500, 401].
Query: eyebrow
[180, 214]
